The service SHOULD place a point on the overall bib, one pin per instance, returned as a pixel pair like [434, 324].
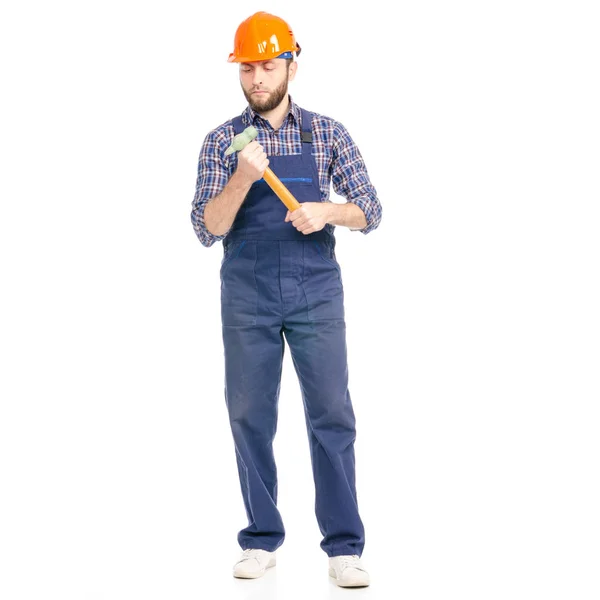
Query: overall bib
[276, 282]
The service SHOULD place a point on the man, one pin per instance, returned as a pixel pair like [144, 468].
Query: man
[280, 278]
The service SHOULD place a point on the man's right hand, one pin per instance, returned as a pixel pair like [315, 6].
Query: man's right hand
[252, 161]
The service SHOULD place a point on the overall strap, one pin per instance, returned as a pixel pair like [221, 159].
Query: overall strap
[238, 125]
[306, 132]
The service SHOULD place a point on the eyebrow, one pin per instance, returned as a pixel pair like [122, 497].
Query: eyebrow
[266, 62]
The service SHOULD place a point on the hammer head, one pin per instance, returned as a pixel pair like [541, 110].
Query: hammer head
[241, 140]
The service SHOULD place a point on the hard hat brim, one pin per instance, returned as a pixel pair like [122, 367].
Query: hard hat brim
[241, 59]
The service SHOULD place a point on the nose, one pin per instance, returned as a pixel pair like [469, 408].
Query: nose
[257, 77]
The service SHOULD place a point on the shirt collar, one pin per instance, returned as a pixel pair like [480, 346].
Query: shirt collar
[250, 117]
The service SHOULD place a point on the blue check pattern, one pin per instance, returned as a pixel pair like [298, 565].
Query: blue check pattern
[337, 156]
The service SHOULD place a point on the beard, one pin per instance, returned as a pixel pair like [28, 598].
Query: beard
[273, 100]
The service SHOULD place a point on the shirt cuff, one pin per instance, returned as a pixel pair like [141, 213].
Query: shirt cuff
[370, 215]
[206, 237]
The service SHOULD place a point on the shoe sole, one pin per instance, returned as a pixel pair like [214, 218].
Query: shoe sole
[341, 584]
[258, 574]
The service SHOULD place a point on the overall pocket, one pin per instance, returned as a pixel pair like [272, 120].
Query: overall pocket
[322, 282]
[239, 292]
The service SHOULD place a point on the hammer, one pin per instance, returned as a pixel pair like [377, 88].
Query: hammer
[240, 141]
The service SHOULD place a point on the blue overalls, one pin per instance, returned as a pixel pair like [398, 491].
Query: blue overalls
[276, 282]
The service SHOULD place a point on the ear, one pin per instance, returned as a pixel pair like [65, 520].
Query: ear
[292, 73]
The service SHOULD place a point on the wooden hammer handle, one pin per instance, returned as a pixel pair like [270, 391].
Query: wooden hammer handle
[282, 192]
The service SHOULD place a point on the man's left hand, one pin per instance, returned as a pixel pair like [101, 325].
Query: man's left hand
[310, 217]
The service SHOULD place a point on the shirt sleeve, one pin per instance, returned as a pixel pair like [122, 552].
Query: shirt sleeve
[350, 178]
[212, 177]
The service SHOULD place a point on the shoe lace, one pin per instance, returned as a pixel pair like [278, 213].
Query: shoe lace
[250, 553]
[352, 561]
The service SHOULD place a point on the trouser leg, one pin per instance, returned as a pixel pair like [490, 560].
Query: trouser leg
[319, 354]
[253, 361]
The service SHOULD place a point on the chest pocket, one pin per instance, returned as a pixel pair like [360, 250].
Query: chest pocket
[287, 181]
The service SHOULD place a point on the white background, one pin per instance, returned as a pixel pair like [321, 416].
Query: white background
[472, 311]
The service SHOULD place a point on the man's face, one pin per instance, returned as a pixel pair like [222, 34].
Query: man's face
[265, 83]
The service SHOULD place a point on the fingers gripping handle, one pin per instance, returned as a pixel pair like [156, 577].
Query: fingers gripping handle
[240, 141]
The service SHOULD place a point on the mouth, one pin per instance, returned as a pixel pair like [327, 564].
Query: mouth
[259, 92]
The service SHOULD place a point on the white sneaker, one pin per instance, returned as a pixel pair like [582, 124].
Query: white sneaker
[253, 563]
[347, 570]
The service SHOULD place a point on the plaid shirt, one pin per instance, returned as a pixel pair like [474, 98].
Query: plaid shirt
[338, 160]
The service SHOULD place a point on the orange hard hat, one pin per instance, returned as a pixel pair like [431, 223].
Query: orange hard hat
[261, 37]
